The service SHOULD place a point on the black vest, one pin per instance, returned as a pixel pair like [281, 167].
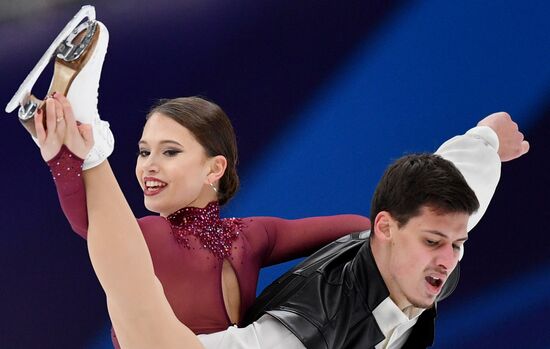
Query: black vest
[327, 300]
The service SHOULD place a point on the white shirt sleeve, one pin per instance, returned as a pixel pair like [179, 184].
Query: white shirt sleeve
[264, 333]
[475, 155]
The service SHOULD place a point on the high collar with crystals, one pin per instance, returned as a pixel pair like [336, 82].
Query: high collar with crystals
[214, 233]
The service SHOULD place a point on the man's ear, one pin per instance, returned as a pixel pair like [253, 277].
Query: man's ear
[382, 225]
[217, 166]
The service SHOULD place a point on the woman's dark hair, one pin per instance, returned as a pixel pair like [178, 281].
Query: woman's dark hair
[212, 129]
[419, 180]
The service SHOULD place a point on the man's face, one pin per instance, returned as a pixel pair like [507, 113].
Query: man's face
[422, 254]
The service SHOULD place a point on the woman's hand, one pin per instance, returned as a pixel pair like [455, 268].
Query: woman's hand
[61, 128]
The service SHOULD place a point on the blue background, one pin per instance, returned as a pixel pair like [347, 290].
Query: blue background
[323, 96]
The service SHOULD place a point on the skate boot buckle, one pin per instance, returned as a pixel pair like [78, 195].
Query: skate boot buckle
[71, 51]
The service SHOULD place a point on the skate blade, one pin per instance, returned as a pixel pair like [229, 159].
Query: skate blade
[23, 95]
[68, 64]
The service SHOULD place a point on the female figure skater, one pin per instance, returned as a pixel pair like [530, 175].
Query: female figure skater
[138, 306]
[186, 166]
[208, 266]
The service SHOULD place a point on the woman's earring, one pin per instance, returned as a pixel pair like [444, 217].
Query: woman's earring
[213, 187]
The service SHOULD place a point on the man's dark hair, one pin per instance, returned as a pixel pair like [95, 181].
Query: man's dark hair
[419, 180]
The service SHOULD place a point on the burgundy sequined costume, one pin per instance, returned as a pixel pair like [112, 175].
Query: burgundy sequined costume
[189, 246]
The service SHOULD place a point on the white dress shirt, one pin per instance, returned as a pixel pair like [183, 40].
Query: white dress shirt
[396, 325]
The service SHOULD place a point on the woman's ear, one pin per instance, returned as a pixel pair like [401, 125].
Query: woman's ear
[382, 225]
[217, 166]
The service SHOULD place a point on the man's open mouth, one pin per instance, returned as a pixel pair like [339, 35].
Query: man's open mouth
[434, 281]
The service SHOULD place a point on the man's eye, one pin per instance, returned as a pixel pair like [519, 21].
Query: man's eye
[171, 152]
[431, 242]
[457, 247]
[144, 153]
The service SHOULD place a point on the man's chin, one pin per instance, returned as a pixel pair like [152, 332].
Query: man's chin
[422, 303]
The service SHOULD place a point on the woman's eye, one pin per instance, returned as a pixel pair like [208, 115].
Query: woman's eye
[171, 152]
[143, 153]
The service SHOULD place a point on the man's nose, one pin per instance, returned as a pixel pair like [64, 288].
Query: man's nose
[447, 257]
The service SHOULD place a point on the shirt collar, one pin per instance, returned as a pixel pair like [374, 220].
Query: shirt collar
[388, 315]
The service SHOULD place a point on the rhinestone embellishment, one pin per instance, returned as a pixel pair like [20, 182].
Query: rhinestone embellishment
[214, 234]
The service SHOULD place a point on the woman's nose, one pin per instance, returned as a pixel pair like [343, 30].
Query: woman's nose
[151, 165]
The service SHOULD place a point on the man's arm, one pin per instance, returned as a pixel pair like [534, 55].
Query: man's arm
[479, 152]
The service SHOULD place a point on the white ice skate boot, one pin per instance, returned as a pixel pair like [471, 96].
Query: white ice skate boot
[79, 52]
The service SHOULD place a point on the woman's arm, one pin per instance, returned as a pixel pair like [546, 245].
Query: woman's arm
[63, 147]
[289, 239]
[66, 170]
[141, 314]
[477, 154]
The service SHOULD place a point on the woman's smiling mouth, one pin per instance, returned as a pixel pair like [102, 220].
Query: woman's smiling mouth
[153, 186]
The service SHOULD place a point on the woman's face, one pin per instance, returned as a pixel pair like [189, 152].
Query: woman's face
[172, 167]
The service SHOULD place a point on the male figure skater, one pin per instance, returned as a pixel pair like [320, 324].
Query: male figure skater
[380, 289]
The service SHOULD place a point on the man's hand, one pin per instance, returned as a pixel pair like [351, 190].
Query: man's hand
[511, 142]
